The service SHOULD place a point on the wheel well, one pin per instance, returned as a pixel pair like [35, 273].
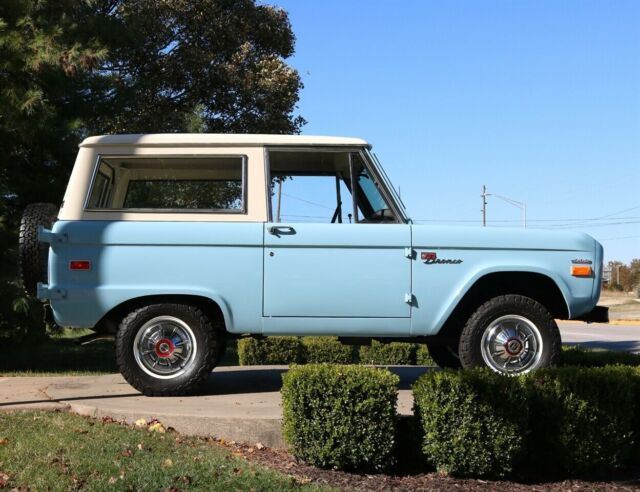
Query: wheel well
[534, 285]
[110, 321]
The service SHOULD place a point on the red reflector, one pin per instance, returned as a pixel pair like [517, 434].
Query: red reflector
[79, 265]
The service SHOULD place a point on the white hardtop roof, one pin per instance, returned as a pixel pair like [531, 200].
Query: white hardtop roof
[215, 139]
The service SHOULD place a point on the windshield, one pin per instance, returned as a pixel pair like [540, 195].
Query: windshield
[375, 163]
[367, 187]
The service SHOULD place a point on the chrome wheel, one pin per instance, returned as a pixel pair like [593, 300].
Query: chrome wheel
[164, 347]
[512, 345]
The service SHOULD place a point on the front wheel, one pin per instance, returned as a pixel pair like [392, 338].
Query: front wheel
[167, 349]
[511, 335]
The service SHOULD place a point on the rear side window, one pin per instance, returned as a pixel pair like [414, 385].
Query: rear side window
[207, 184]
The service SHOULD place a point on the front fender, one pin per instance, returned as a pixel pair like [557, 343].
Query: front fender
[467, 283]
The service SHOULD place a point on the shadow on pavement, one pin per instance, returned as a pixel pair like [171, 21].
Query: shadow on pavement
[228, 382]
[269, 380]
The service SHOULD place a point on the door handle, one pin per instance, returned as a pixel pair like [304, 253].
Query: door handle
[281, 230]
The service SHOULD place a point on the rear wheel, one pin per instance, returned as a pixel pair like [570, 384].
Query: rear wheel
[167, 349]
[511, 335]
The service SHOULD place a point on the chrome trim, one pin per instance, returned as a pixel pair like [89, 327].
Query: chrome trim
[512, 345]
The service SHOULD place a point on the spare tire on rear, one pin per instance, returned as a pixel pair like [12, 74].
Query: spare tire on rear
[33, 256]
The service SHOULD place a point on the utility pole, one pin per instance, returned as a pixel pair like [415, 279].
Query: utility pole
[484, 205]
[522, 206]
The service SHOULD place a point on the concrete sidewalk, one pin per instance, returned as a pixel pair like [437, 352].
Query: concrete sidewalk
[239, 403]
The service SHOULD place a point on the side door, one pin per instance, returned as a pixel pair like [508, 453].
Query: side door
[333, 249]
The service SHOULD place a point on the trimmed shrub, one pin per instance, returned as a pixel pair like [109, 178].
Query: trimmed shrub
[388, 354]
[328, 350]
[338, 416]
[473, 422]
[578, 356]
[270, 351]
[422, 356]
[584, 420]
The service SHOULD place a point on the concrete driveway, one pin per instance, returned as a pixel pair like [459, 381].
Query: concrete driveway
[239, 403]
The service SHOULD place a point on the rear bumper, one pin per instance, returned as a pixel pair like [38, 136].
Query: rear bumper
[599, 314]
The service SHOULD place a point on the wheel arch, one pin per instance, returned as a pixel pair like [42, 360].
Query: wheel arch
[535, 285]
[212, 308]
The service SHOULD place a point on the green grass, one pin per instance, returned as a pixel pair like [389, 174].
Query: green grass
[60, 452]
[61, 355]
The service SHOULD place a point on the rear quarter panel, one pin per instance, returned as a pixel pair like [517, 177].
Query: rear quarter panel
[217, 260]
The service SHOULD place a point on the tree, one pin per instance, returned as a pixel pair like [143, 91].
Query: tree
[72, 68]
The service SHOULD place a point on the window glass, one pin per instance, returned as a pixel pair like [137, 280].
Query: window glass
[315, 186]
[171, 183]
[101, 190]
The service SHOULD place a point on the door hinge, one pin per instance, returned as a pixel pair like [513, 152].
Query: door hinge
[408, 253]
[408, 298]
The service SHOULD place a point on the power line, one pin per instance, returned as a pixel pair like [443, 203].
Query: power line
[306, 201]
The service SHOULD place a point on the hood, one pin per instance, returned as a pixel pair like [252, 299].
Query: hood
[456, 237]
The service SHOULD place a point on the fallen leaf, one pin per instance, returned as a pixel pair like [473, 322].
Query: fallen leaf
[127, 453]
[185, 479]
[259, 446]
[157, 427]
[4, 480]
[112, 480]
[140, 447]
[141, 423]
[167, 463]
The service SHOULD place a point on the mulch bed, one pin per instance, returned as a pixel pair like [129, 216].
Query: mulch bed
[285, 463]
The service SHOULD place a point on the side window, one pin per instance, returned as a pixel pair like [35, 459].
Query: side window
[316, 186]
[208, 184]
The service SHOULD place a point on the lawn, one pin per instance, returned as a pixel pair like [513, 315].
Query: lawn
[62, 355]
[59, 451]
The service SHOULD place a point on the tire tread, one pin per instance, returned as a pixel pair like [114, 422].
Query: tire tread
[200, 375]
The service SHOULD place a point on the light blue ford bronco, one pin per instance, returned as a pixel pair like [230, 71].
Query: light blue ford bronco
[177, 243]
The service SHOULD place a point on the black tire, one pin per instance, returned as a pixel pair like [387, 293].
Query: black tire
[444, 355]
[33, 256]
[527, 313]
[207, 342]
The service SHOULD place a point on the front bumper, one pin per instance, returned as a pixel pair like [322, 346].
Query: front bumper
[599, 314]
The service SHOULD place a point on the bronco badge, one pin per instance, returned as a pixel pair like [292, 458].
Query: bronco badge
[431, 258]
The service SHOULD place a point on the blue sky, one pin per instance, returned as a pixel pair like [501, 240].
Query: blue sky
[539, 100]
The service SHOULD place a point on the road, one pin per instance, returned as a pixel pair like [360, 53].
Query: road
[598, 335]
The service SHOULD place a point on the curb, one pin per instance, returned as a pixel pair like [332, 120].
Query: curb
[613, 322]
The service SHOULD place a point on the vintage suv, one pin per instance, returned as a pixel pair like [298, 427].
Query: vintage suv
[177, 243]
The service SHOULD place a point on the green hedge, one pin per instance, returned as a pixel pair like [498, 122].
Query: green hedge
[584, 420]
[340, 416]
[568, 420]
[328, 350]
[423, 358]
[577, 356]
[473, 422]
[315, 350]
[270, 351]
[388, 354]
